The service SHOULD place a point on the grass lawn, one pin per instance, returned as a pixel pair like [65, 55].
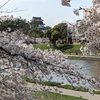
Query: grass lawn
[59, 46]
[43, 46]
[56, 96]
[66, 86]
[66, 49]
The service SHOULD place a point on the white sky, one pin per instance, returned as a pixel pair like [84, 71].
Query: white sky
[51, 11]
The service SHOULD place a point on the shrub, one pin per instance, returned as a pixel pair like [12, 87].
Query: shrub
[97, 92]
[29, 80]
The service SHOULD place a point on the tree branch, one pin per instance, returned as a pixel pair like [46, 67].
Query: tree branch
[4, 4]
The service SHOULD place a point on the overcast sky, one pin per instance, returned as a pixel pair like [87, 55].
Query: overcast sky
[51, 11]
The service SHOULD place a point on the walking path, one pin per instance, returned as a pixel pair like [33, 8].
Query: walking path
[86, 95]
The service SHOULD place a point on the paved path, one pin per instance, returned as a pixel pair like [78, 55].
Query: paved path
[86, 95]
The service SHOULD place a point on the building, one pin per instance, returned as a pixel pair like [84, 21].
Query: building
[39, 20]
[73, 37]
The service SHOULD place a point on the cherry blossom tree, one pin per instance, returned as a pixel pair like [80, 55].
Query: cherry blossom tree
[19, 60]
[89, 25]
[8, 11]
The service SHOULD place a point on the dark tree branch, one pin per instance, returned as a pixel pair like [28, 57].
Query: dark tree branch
[4, 4]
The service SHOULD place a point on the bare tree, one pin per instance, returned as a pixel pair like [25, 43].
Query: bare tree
[9, 11]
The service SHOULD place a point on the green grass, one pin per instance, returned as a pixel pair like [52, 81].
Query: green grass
[76, 88]
[51, 83]
[66, 86]
[29, 80]
[75, 57]
[97, 92]
[59, 46]
[66, 49]
[56, 96]
[48, 83]
[43, 46]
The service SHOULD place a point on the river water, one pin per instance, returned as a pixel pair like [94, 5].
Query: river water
[87, 67]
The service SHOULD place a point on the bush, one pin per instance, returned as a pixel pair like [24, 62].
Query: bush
[97, 92]
[51, 83]
[65, 86]
[29, 80]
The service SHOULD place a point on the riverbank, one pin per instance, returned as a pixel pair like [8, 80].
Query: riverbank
[86, 95]
[73, 51]
[79, 57]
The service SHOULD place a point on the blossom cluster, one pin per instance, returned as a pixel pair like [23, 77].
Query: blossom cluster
[89, 25]
[7, 17]
[19, 60]
[66, 3]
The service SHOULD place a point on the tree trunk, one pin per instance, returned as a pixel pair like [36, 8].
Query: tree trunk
[54, 45]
